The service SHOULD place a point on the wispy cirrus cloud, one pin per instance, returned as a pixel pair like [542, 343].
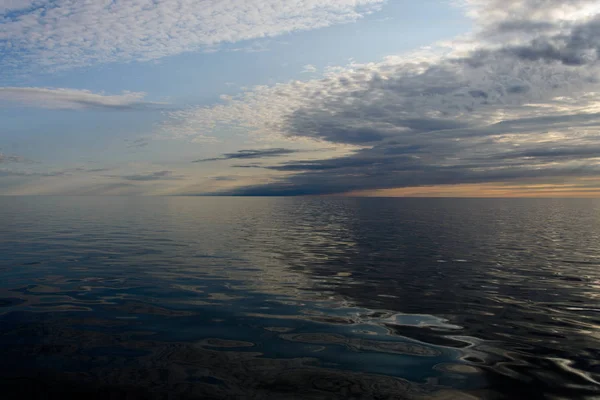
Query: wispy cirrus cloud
[73, 99]
[69, 33]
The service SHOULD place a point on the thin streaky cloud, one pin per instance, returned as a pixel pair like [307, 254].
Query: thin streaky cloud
[150, 176]
[247, 154]
[62, 98]
[11, 158]
[5, 172]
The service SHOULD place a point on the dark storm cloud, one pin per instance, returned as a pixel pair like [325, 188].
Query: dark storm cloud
[247, 154]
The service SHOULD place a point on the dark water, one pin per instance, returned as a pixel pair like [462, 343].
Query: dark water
[295, 298]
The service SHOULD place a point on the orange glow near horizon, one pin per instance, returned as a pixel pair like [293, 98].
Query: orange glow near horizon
[581, 188]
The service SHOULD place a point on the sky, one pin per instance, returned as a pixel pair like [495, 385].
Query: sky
[460, 98]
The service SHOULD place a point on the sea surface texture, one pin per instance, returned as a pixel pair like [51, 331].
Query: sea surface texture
[299, 298]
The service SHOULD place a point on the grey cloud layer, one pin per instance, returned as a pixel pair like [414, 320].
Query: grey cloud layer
[246, 154]
[550, 30]
[68, 33]
[448, 146]
[579, 46]
[520, 109]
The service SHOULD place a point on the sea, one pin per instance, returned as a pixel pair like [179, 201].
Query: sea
[299, 298]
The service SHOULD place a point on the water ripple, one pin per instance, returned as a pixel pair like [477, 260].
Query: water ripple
[301, 298]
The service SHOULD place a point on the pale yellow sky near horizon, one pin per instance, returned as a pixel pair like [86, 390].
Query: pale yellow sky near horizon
[582, 188]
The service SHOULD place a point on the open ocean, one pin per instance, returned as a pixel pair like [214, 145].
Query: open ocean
[299, 298]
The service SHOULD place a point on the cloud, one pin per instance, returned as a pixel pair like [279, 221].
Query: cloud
[138, 143]
[152, 176]
[86, 181]
[551, 30]
[16, 173]
[69, 33]
[4, 172]
[246, 154]
[309, 69]
[11, 158]
[491, 14]
[16, 5]
[225, 178]
[577, 46]
[84, 170]
[253, 47]
[73, 99]
[515, 101]
[253, 165]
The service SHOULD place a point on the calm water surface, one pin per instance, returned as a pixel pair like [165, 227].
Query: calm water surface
[293, 298]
